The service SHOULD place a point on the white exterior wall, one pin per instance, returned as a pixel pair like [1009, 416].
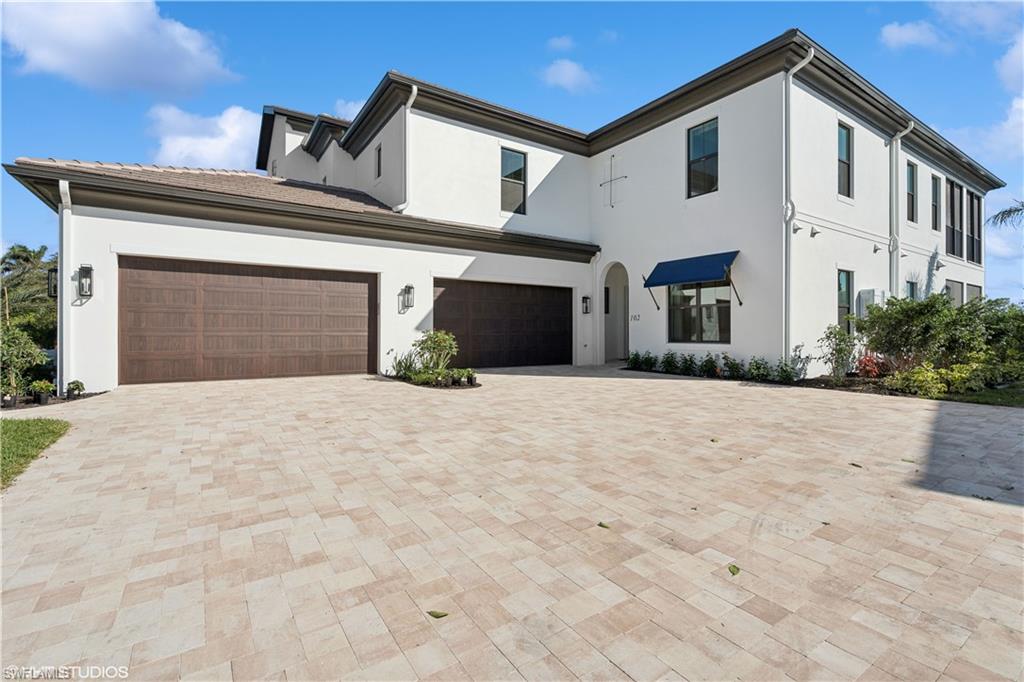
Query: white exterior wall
[653, 221]
[388, 188]
[98, 236]
[851, 229]
[456, 171]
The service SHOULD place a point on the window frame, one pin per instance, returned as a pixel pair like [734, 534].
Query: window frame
[849, 162]
[912, 192]
[607, 300]
[947, 289]
[503, 179]
[967, 292]
[698, 306]
[690, 162]
[841, 319]
[972, 233]
[954, 218]
[378, 161]
[910, 289]
[936, 203]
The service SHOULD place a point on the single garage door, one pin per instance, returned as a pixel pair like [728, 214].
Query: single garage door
[505, 325]
[190, 321]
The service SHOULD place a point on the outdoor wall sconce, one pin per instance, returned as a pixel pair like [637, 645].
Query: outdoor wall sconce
[51, 282]
[408, 296]
[814, 231]
[586, 305]
[85, 281]
[876, 248]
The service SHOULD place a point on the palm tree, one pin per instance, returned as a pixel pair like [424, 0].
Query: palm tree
[1011, 215]
[23, 270]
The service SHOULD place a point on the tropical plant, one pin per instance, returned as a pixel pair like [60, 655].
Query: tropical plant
[785, 373]
[405, 365]
[688, 364]
[18, 354]
[648, 361]
[1011, 215]
[41, 387]
[923, 380]
[633, 360]
[733, 368]
[26, 302]
[709, 366]
[75, 387]
[870, 366]
[838, 347]
[758, 369]
[435, 349]
[669, 362]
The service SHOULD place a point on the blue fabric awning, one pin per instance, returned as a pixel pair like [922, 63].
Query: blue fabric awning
[710, 268]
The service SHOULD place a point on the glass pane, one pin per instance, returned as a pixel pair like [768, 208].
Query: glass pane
[844, 143]
[724, 324]
[682, 324]
[512, 197]
[513, 165]
[844, 178]
[844, 288]
[679, 296]
[710, 295]
[703, 177]
[709, 318]
[696, 144]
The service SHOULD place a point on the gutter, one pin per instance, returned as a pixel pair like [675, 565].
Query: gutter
[64, 210]
[400, 208]
[894, 209]
[788, 207]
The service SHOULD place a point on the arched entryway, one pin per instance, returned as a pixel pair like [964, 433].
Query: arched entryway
[615, 312]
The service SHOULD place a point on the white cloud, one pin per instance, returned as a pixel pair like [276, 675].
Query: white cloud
[1002, 140]
[561, 43]
[348, 109]
[897, 36]
[111, 45]
[569, 75]
[227, 140]
[989, 19]
[1010, 66]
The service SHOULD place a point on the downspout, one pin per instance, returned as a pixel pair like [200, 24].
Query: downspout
[63, 273]
[894, 210]
[789, 208]
[400, 208]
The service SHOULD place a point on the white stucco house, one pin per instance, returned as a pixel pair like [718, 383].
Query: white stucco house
[742, 212]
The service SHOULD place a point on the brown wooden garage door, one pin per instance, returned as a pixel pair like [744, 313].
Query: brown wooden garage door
[505, 325]
[189, 321]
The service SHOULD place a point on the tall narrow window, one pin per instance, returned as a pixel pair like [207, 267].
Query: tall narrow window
[911, 290]
[936, 203]
[955, 291]
[702, 152]
[845, 287]
[607, 300]
[700, 313]
[513, 181]
[973, 227]
[845, 161]
[378, 162]
[911, 192]
[973, 292]
[954, 219]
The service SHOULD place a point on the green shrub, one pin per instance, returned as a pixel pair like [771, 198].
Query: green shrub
[41, 386]
[405, 365]
[688, 364]
[435, 349]
[633, 360]
[838, 347]
[733, 368]
[18, 354]
[75, 386]
[923, 380]
[648, 361]
[669, 362]
[785, 373]
[964, 378]
[709, 366]
[759, 370]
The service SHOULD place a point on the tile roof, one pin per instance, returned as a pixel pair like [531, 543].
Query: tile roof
[229, 182]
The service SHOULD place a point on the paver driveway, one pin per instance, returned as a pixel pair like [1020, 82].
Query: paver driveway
[301, 528]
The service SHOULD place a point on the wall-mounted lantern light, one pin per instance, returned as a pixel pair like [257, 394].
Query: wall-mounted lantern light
[51, 282]
[586, 305]
[408, 296]
[85, 281]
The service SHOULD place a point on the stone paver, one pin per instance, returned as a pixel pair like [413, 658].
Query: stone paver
[301, 528]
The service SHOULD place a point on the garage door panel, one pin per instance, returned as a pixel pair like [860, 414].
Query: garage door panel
[498, 324]
[190, 320]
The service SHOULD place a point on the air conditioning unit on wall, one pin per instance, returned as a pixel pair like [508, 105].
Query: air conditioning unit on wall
[866, 297]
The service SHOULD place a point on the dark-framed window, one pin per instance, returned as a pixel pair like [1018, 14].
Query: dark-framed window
[954, 219]
[378, 162]
[844, 282]
[973, 292]
[702, 156]
[955, 291]
[607, 300]
[936, 203]
[911, 290]
[973, 228]
[513, 181]
[911, 192]
[845, 139]
[700, 313]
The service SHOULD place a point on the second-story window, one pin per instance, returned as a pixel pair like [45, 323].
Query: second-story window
[845, 138]
[513, 181]
[702, 155]
[954, 219]
[936, 203]
[973, 228]
[378, 162]
[911, 192]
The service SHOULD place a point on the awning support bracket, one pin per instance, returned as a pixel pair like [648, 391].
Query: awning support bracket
[728, 277]
[652, 294]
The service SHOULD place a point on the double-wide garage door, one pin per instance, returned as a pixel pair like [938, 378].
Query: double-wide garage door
[188, 321]
[505, 325]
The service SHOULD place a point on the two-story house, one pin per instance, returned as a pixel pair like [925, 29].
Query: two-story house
[742, 212]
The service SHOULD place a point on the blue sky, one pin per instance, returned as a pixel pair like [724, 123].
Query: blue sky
[183, 83]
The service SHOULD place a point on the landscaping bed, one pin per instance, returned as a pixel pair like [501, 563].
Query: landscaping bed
[22, 440]
[28, 401]
[427, 363]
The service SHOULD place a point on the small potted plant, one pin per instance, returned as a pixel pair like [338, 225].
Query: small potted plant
[470, 376]
[10, 399]
[75, 389]
[457, 376]
[41, 389]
